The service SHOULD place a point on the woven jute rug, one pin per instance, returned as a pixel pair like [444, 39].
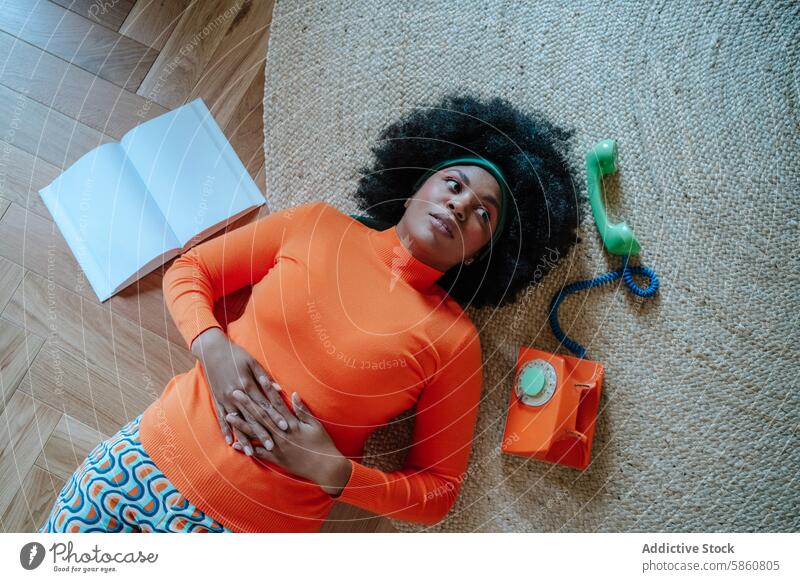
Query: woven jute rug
[698, 423]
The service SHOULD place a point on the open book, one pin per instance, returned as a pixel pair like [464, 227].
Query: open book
[127, 208]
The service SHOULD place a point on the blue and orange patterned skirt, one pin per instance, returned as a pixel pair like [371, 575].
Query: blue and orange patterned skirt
[118, 488]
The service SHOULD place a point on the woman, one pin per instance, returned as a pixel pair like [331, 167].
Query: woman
[346, 328]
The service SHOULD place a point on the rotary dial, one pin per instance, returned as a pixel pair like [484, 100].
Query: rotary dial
[536, 383]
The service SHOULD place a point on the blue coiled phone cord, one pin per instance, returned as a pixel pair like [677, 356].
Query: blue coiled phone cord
[626, 272]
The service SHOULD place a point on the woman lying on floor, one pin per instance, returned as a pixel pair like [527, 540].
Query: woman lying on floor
[346, 327]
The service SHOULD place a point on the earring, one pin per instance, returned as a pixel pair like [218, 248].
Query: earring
[469, 261]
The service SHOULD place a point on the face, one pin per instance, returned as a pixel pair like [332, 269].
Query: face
[467, 199]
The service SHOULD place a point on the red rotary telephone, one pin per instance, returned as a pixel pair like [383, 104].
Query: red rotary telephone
[553, 407]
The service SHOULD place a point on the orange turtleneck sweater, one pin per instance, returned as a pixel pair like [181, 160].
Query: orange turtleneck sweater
[352, 321]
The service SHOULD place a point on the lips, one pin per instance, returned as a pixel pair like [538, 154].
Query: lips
[445, 221]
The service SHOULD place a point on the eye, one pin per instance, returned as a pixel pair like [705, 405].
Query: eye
[486, 217]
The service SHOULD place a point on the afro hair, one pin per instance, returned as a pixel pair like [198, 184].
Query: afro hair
[543, 218]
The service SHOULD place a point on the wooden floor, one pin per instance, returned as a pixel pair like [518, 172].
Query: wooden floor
[75, 74]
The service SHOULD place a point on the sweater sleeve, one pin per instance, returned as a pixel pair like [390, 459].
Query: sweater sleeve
[427, 487]
[222, 265]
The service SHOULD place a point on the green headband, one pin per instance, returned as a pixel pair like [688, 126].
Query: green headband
[494, 171]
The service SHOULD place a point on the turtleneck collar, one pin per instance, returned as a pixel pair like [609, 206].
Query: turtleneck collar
[404, 266]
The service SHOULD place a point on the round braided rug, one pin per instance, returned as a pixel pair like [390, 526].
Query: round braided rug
[699, 415]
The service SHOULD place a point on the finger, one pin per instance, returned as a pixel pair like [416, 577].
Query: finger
[279, 411]
[238, 447]
[280, 406]
[236, 434]
[266, 405]
[260, 432]
[255, 417]
[240, 424]
[223, 424]
[303, 413]
[246, 404]
[242, 442]
[286, 413]
[244, 433]
[264, 379]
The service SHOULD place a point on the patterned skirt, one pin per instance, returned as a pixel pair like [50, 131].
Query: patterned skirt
[118, 488]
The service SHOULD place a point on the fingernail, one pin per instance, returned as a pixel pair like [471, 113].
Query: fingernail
[268, 444]
[283, 425]
[237, 446]
[228, 439]
[263, 379]
[276, 386]
[248, 451]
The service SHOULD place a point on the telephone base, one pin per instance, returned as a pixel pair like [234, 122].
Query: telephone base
[561, 430]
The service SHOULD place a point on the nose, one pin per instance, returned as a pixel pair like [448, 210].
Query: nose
[456, 206]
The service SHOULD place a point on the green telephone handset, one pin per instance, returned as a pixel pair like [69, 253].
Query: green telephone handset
[618, 239]
[601, 161]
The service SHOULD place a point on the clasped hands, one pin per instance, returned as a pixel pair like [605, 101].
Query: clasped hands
[249, 405]
[304, 448]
